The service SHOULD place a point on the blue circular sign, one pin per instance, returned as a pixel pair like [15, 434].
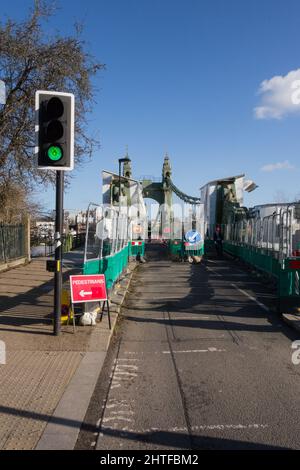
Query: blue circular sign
[192, 236]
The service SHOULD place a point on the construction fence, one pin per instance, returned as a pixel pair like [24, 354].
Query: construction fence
[106, 247]
[270, 244]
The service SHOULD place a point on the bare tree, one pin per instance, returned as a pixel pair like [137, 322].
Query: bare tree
[15, 203]
[30, 61]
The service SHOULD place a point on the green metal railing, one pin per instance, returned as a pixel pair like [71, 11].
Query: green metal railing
[286, 272]
[12, 242]
[176, 248]
[112, 266]
[179, 248]
[137, 247]
[107, 249]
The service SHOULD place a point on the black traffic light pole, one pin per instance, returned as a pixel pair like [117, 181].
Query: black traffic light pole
[58, 250]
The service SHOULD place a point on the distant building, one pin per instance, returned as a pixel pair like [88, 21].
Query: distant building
[43, 228]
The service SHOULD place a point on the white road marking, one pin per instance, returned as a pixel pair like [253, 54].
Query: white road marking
[125, 359]
[118, 402]
[208, 427]
[229, 426]
[117, 412]
[121, 374]
[129, 374]
[197, 316]
[195, 351]
[128, 366]
[210, 349]
[260, 304]
[188, 351]
[215, 272]
[116, 385]
[112, 406]
[115, 418]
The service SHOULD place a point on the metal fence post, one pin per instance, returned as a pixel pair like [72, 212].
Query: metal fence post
[26, 222]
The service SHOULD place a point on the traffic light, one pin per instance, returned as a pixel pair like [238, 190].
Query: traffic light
[54, 130]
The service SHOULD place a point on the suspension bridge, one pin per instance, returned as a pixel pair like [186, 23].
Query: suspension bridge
[265, 237]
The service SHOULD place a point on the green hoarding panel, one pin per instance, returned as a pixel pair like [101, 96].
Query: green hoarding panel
[112, 266]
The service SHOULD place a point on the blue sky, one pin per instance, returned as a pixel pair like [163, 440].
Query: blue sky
[182, 76]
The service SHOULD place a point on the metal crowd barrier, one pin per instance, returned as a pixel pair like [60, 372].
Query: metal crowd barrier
[272, 245]
[106, 246]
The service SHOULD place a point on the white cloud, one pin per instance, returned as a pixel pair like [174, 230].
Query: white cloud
[277, 166]
[279, 96]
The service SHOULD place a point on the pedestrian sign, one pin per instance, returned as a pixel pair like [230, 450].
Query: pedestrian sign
[88, 288]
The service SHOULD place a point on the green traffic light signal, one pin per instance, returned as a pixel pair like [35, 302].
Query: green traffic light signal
[54, 130]
[55, 153]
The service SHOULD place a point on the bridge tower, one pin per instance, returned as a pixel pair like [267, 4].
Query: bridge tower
[161, 192]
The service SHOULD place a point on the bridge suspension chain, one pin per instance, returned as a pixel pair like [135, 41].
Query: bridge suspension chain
[184, 197]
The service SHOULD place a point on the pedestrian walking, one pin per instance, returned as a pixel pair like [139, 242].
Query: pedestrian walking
[218, 239]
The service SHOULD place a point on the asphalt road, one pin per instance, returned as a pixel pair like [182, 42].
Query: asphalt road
[199, 361]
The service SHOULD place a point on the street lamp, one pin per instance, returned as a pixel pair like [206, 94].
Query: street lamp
[122, 160]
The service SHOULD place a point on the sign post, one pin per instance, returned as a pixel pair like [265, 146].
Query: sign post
[192, 237]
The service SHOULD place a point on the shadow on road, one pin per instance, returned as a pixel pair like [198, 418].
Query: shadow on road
[207, 296]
